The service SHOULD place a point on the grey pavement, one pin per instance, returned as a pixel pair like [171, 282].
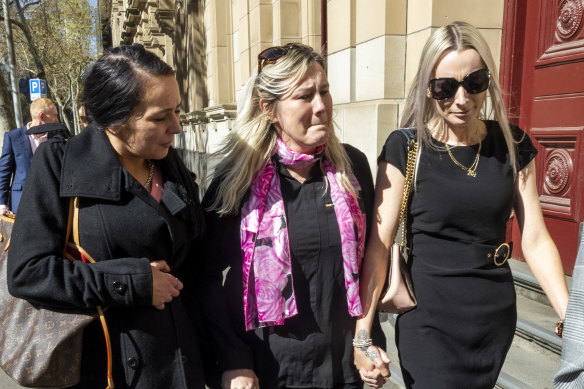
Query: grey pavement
[6, 382]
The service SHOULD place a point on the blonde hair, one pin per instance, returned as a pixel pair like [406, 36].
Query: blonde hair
[420, 109]
[39, 105]
[251, 143]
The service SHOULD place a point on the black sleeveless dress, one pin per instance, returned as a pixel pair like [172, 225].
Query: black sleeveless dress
[463, 326]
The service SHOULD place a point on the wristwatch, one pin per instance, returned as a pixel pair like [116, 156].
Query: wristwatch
[559, 328]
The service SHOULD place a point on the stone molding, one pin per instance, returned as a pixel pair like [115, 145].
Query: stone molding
[221, 112]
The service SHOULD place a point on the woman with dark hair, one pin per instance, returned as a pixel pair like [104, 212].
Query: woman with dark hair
[139, 218]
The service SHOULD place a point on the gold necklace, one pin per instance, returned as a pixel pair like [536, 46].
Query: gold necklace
[472, 170]
[150, 173]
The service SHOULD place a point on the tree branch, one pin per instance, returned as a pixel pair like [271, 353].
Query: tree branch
[31, 44]
[14, 22]
[27, 5]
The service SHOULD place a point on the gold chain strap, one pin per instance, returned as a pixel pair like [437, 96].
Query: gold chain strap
[410, 169]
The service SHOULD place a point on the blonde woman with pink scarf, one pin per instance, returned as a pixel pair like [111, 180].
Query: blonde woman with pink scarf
[288, 212]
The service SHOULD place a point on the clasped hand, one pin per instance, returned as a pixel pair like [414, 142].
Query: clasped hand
[373, 365]
[165, 286]
[239, 379]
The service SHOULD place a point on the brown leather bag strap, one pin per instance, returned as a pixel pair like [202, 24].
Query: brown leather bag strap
[8, 219]
[74, 221]
[75, 226]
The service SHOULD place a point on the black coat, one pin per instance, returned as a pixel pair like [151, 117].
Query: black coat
[124, 229]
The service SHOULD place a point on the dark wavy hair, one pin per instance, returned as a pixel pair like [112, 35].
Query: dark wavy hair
[115, 84]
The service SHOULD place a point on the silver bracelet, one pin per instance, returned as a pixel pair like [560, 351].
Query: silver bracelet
[362, 343]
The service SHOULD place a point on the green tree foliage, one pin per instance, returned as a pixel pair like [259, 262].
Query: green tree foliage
[55, 40]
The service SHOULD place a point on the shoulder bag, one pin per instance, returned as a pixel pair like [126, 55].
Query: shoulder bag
[42, 347]
[399, 295]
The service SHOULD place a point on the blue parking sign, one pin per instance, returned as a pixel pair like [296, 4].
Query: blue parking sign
[35, 85]
[38, 88]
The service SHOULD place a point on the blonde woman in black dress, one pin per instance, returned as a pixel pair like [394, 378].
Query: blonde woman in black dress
[470, 175]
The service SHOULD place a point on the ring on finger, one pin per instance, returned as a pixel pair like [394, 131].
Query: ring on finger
[176, 283]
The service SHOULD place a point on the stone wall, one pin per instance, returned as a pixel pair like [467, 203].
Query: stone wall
[373, 52]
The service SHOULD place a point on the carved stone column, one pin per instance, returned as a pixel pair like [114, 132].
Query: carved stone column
[116, 20]
[131, 19]
[179, 54]
[164, 16]
[154, 39]
[190, 144]
[220, 124]
[219, 52]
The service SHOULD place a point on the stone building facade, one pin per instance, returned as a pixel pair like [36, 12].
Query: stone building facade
[373, 48]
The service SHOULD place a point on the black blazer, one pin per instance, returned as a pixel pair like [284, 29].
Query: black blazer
[124, 229]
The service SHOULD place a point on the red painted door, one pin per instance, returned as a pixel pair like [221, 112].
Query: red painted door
[543, 74]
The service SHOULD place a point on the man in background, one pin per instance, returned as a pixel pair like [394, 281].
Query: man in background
[17, 152]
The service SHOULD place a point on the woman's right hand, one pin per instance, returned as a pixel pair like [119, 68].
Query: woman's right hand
[373, 365]
[239, 379]
[165, 286]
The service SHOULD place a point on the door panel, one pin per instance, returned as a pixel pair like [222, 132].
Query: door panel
[555, 111]
[551, 110]
[557, 80]
[557, 158]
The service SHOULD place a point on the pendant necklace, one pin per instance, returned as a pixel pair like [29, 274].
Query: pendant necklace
[472, 169]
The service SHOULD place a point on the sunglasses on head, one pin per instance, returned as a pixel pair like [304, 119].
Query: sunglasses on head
[272, 54]
[445, 88]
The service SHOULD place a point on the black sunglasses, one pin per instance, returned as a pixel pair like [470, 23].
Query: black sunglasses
[272, 54]
[475, 82]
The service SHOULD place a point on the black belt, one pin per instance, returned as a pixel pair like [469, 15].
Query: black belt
[473, 254]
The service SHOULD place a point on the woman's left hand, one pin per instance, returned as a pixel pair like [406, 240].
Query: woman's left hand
[239, 379]
[165, 286]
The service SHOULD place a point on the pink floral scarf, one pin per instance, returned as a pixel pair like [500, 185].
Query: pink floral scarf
[268, 293]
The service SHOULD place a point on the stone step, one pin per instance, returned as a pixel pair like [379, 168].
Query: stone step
[525, 367]
[534, 356]
[535, 324]
[506, 381]
[536, 319]
[526, 284]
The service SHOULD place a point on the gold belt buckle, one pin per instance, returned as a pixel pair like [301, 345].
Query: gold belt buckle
[507, 254]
